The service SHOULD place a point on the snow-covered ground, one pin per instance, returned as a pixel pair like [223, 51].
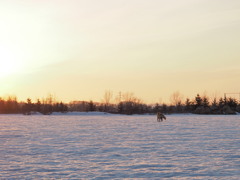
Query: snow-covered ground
[82, 113]
[104, 146]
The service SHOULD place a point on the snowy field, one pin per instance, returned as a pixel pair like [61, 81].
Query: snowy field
[103, 146]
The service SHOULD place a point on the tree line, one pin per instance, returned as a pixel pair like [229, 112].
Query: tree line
[125, 103]
[46, 106]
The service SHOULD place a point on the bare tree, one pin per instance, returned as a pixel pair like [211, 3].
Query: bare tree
[176, 98]
[118, 98]
[128, 96]
[51, 99]
[107, 98]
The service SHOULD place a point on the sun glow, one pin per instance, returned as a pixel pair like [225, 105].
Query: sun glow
[9, 63]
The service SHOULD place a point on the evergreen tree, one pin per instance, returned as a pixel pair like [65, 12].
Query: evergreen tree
[91, 106]
[198, 100]
[188, 105]
[221, 103]
[205, 102]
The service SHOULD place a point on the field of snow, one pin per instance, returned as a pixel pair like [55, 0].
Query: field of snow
[104, 146]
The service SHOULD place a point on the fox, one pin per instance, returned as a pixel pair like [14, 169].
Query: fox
[160, 117]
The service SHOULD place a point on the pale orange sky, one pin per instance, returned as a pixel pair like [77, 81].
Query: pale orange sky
[78, 49]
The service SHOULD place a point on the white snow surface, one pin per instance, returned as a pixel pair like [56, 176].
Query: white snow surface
[105, 146]
[94, 113]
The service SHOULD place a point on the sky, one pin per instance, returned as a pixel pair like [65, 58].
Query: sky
[77, 49]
